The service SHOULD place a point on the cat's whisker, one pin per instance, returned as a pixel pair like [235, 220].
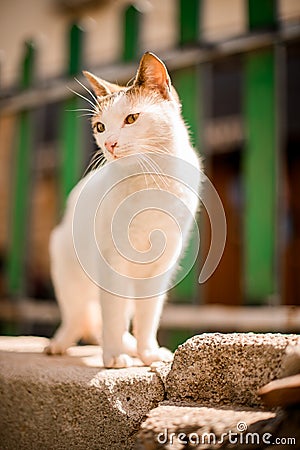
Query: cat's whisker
[98, 164]
[156, 168]
[88, 167]
[154, 164]
[97, 161]
[89, 91]
[99, 156]
[154, 138]
[143, 170]
[163, 149]
[86, 115]
[151, 171]
[101, 161]
[158, 148]
[81, 109]
[129, 82]
[146, 170]
[86, 99]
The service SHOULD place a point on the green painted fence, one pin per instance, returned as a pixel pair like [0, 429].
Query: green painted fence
[131, 33]
[70, 136]
[260, 162]
[21, 186]
[260, 176]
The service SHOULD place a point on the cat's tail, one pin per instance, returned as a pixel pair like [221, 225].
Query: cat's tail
[76, 294]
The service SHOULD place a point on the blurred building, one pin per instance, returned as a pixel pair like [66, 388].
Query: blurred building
[236, 66]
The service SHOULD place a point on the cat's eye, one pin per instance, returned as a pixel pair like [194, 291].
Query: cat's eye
[100, 127]
[131, 118]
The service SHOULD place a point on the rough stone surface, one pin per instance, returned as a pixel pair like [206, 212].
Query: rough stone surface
[176, 427]
[173, 427]
[72, 402]
[162, 369]
[226, 369]
[54, 402]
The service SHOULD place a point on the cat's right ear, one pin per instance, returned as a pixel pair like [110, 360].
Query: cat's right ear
[99, 86]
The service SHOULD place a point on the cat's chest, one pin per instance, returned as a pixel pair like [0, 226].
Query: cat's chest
[147, 198]
[142, 212]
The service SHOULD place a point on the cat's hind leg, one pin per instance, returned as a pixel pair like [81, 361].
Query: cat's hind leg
[74, 307]
[75, 293]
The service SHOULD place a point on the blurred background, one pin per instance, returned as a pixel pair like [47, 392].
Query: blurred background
[236, 66]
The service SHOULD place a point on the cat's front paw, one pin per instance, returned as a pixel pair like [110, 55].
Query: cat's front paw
[151, 355]
[54, 348]
[117, 361]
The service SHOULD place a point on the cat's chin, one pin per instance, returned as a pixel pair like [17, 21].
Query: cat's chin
[124, 160]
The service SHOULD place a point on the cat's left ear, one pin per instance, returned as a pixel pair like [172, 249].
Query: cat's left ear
[99, 86]
[153, 74]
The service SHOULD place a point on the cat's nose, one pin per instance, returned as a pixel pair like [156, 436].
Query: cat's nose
[110, 146]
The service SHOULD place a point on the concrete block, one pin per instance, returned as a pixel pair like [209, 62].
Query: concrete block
[226, 369]
[70, 402]
[178, 426]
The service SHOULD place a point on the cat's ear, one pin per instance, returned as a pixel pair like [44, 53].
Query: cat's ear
[99, 86]
[153, 74]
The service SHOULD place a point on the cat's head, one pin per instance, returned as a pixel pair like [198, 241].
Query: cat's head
[139, 118]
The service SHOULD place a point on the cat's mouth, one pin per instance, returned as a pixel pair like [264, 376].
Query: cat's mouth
[121, 152]
[113, 156]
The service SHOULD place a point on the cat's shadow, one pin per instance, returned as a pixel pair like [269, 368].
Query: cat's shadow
[76, 357]
[79, 355]
[86, 355]
[24, 358]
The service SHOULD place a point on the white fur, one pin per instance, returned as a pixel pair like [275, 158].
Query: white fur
[158, 129]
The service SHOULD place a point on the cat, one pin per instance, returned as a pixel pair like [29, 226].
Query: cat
[134, 122]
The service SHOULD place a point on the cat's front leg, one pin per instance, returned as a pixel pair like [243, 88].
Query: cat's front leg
[117, 347]
[146, 321]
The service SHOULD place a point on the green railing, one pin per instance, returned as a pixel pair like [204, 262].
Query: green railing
[71, 145]
[260, 161]
[21, 185]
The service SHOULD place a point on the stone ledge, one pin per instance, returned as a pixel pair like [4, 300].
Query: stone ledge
[226, 369]
[70, 401]
[177, 427]
[73, 402]
[170, 426]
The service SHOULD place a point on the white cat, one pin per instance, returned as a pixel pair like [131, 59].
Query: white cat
[128, 122]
